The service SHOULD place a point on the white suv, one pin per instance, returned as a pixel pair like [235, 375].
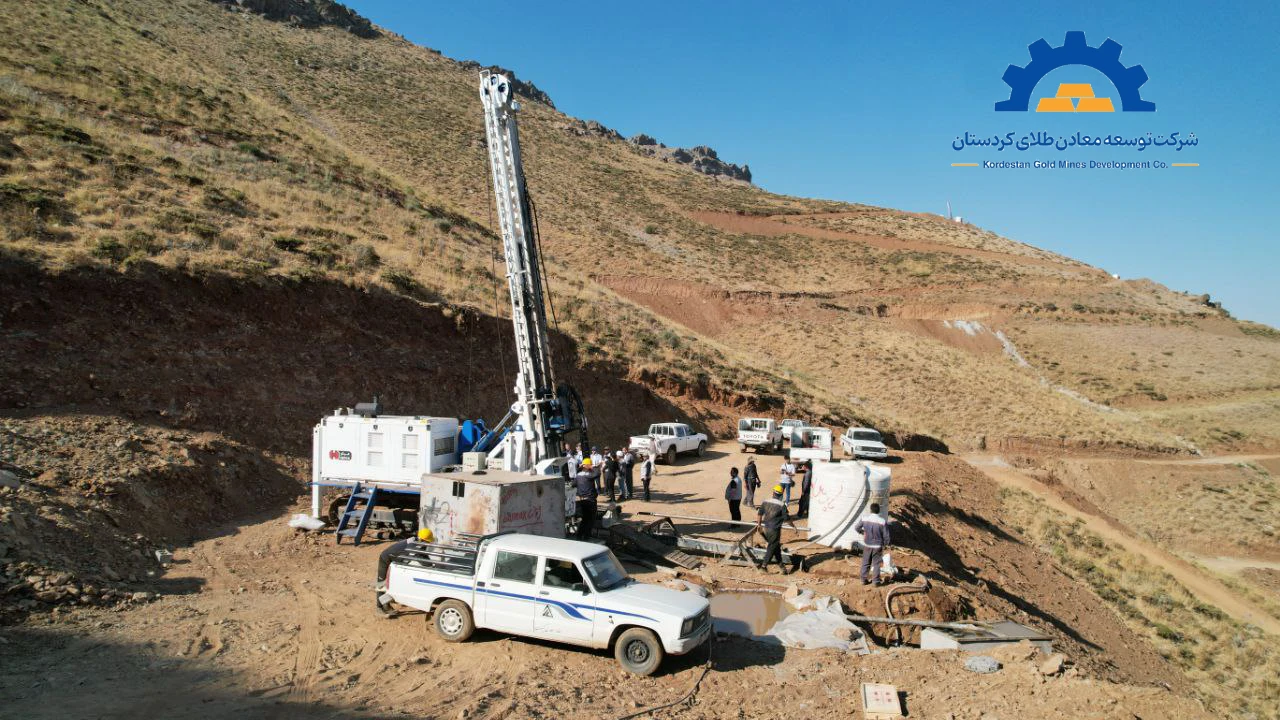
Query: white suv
[860, 442]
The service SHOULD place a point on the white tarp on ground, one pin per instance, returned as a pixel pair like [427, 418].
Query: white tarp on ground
[302, 521]
[824, 627]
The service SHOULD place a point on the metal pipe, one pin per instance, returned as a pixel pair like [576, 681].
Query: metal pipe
[789, 526]
[919, 623]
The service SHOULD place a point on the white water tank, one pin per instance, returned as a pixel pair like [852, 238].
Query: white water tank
[842, 493]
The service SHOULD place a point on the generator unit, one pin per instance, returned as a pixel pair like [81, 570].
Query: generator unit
[485, 502]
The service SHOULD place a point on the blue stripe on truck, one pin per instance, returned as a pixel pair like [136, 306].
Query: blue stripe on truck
[569, 608]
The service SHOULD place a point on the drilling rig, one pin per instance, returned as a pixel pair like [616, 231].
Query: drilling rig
[384, 460]
[544, 412]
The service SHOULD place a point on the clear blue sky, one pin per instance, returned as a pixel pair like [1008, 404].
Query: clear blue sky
[861, 101]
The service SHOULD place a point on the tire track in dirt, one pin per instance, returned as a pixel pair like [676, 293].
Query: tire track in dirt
[309, 648]
[1199, 584]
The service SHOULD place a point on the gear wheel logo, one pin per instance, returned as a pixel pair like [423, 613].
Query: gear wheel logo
[1105, 59]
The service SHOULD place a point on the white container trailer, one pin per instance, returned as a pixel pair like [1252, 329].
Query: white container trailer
[492, 501]
[387, 451]
[842, 493]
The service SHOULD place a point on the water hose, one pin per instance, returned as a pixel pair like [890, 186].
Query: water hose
[687, 697]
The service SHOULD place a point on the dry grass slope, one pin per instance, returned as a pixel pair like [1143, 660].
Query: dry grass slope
[184, 135]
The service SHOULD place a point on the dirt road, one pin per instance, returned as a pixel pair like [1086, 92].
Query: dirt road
[1203, 586]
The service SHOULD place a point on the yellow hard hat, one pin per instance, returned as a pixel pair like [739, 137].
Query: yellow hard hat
[586, 462]
[777, 489]
[425, 535]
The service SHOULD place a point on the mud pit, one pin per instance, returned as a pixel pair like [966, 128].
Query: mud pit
[261, 621]
[746, 614]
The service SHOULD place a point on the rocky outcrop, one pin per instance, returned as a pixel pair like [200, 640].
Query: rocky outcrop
[525, 89]
[590, 128]
[308, 14]
[700, 158]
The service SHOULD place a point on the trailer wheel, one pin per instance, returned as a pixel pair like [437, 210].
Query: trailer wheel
[453, 621]
[671, 455]
[702, 449]
[638, 651]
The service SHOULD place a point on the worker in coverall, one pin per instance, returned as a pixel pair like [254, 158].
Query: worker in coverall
[750, 481]
[806, 486]
[384, 561]
[585, 487]
[875, 540]
[770, 516]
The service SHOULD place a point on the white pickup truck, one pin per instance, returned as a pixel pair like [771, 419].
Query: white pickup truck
[763, 434]
[860, 442]
[666, 440]
[550, 588]
[810, 443]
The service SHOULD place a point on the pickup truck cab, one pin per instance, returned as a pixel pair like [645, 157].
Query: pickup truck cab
[789, 426]
[550, 588]
[810, 443]
[759, 433]
[860, 442]
[667, 440]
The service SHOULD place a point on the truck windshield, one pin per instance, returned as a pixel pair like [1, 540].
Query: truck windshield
[605, 571]
[748, 424]
[871, 435]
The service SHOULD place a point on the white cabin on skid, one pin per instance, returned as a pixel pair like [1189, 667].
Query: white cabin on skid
[387, 451]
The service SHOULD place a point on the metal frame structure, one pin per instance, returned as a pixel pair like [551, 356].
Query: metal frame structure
[543, 412]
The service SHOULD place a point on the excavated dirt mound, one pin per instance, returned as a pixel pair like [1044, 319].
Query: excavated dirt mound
[97, 497]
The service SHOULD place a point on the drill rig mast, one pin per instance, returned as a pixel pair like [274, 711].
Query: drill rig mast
[544, 412]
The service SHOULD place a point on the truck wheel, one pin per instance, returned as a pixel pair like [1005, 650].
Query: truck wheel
[742, 447]
[453, 621]
[638, 651]
[702, 449]
[671, 455]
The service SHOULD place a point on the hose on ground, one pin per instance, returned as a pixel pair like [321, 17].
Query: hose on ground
[687, 697]
[920, 587]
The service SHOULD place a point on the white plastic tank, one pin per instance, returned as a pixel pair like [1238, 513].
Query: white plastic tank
[842, 493]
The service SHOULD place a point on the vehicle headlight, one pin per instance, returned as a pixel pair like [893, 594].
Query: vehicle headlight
[687, 626]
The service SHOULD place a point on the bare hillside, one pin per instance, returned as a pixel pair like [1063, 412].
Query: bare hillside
[188, 136]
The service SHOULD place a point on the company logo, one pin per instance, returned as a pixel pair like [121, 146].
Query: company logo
[339, 454]
[1075, 97]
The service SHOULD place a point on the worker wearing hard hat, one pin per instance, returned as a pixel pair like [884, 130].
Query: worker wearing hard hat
[584, 485]
[770, 517]
[384, 561]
